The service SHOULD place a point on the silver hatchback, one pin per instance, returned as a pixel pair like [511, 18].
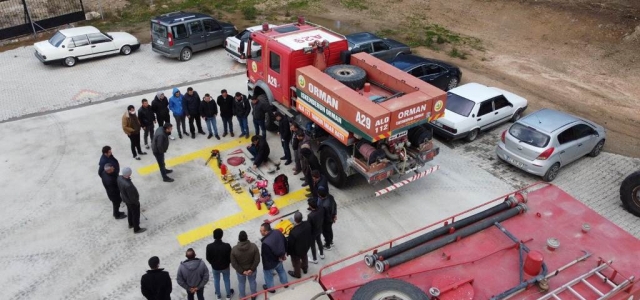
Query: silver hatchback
[546, 140]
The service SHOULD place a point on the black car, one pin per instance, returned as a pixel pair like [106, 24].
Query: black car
[384, 49]
[435, 72]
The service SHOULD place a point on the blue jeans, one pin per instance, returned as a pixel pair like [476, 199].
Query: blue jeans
[225, 277]
[242, 281]
[244, 125]
[228, 122]
[211, 122]
[260, 123]
[268, 276]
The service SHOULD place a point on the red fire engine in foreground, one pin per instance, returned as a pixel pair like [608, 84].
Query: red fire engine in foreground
[364, 116]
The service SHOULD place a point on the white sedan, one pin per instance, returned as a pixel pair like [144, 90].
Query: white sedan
[473, 107]
[67, 46]
[236, 46]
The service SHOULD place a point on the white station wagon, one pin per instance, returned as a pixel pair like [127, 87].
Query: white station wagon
[474, 107]
[236, 46]
[67, 46]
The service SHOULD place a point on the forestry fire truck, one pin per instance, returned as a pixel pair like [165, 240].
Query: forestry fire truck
[364, 116]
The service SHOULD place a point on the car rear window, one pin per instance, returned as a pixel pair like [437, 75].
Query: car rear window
[57, 39]
[159, 30]
[459, 105]
[244, 35]
[529, 135]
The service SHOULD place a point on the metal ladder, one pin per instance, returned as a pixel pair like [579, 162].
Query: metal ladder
[615, 288]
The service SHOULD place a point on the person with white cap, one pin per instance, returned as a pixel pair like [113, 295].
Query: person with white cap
[130, 196]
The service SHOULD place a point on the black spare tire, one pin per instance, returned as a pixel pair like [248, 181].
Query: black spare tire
[419, 135]
[630, 193]
[351, 76]
[389, 289]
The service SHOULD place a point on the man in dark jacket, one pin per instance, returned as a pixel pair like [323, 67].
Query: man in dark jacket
[160, 107]
[316, 219]
[130, 197]
[260, 110]
[191, 102]
[110, 182]
[209, 112]
[219, 256]
[317, 181]
[295, 145]
[147, 119]
[225, 101]
[245, 259]
[309, 163]
[193, 275]
[107, 157]
[284, 131]
[298, 244]
[274, 252]
[259, 149]
[242, 109]
[330, 216]
[159, 146]
[156, 284]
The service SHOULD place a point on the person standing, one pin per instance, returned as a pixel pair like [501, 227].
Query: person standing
[131, 127]
[219, 256]
[159, 146]
[177, 107]
[156, 284]
[107, 157]
[245, 259]
[242, 109]
[298, 244]
[260, 110]
[260, 150]
[193, 275]
[110, 182]
[274, 252]
[316, 219]
[284, 131]
[147, 119]
[191, 102]
[309, 164]
[225, 101]
[130, 197]
[318, 181]
[160, 107]
[209, 112]
[295, 145]
[330, 216]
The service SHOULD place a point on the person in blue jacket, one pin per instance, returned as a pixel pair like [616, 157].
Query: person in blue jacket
[176, 106]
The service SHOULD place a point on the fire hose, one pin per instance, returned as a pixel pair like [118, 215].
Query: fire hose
[383, 265]
[510, 202]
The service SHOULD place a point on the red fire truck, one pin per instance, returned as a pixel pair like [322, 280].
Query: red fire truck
[364, 116]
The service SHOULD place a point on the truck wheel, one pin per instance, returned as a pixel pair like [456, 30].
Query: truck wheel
[332, 167]
[389, 289]
[630, 193]
[351, 76]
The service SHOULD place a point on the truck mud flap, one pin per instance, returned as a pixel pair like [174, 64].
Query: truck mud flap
[407, 181]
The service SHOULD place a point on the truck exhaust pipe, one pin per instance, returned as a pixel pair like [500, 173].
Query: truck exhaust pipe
[384, 265]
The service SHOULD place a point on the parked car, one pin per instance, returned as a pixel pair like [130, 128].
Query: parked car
[630, 193]
[180, 34]
[438, 73]
[546, 140]
[67, 46]
[473, 107]
[236, 46]
[384, 49]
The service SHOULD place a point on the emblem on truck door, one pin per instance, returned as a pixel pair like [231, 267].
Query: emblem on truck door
[254, 67]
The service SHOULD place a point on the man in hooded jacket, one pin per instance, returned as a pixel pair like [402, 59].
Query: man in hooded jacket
[191, 102]
[177, 107]
[245, 259]
[193, 275]
[156, 284]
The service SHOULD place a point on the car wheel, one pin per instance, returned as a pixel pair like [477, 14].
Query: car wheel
[516, 116]
[597, 149]
[332, 167]
[125, 50]
[70, 61]
[389, 288]
[473, 135]
[630, 193]
[452, 83]
[185, 54]
[552, 173]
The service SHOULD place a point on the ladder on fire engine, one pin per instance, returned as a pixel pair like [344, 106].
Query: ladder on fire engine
[615, 288]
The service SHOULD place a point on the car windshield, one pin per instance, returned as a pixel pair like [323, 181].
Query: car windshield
[244, 35]
[351, 45]
[57, 39]
[459, 105]
[529, 135]
[107, 35]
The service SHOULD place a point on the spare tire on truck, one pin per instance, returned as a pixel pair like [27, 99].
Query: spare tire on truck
[630, 193]
[389, 289]
[351, 76]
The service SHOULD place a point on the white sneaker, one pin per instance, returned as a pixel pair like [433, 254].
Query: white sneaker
[322, 256]
[311, 260]
[171, 137]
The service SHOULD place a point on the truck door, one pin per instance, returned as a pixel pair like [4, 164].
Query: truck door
[274, 75]
[255, 65]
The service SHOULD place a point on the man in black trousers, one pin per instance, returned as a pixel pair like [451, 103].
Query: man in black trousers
[156, 284]
[191, 103]
[147, 119]
[159, 146]
[330, 216]
[316, 219]
[225, 101]
[284, 131]
[107, 157]
[298, 244]
[260, 150]
[130, 197]
[110, 182]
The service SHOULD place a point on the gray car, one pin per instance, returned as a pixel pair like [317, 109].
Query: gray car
[180, 34]
[546, 140]
[384, 49]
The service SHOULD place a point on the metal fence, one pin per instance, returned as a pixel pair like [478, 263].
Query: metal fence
[20, 17]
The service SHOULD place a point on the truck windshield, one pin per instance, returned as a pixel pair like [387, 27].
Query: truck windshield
[529, 135]
[57, 39]
[459, 105]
